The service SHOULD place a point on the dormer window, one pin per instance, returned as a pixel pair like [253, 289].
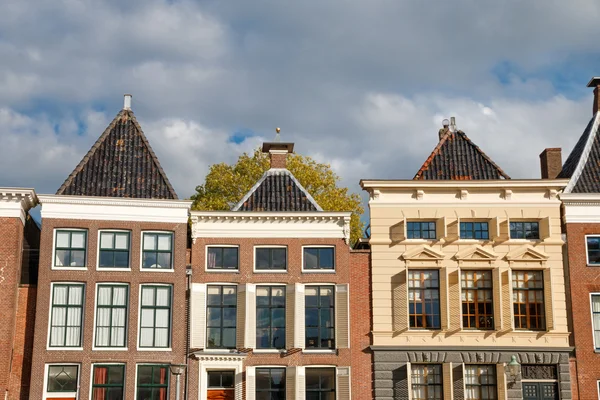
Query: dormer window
[474, 230]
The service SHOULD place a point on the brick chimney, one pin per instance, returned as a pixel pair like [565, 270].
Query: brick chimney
[278, 151]
[551, 163]
[595, 83]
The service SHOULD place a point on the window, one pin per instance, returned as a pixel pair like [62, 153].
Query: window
[222, 258]
[221, 379]
[271, 258]
[155, 311]
[528, 300]
[108, 381]
[111, 316]
[420, 230]
[474, 230]
[320, 383]
[114, 250]
[426, 382]
[319, 317]
[524, 230]
[221, 317]
[593, 250]
[152, 382]
[424, 299]
[477, 300]
[158, 250]
[70, 248]
[67, 315]
[319, 258]
[62, 378]
[270, 317]
[270, 384]
[596, 319]
[480, 382]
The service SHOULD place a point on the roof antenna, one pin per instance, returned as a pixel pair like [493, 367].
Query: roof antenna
[127, 102]
[277, 137]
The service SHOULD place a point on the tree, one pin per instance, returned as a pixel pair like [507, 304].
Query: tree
[225, 186]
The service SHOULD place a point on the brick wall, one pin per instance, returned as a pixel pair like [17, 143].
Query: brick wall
[583, 281]
[11, 232]
[91, 276]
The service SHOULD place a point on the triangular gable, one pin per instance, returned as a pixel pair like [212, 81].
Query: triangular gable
[277, 190]
[120, 164]
[526, 253]
[476, 253]
[423, 253]
[456, 157]
[583, 164]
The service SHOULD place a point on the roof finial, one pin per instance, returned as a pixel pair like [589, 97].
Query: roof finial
[277, 137]
[127, 102]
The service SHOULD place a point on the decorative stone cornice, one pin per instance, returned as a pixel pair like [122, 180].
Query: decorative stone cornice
[113, 201]
[15, 202]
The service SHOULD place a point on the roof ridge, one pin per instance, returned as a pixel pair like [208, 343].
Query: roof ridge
[585, 154]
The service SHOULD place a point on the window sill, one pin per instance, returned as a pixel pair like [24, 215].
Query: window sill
[269, 271]
[593, 265]
[110, 269]
[319, 351]
[471, 241]
[420, 241]
[69, 268]
[222, 271]
[509, 241]
[110, 349]
[156, 270]
[154, 349]
[318, 271]
[64, 348]
[268, 351]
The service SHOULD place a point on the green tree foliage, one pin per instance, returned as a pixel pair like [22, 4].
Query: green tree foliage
[225, 186]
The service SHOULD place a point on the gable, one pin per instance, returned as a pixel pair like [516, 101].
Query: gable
[526, 253]
[583, 164]
[476, 253]
[423, 253]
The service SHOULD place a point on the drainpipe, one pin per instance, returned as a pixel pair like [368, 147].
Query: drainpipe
[188, 273]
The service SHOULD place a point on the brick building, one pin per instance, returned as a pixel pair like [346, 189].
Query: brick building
[279, 303]
[467, 273]
[18, 274]
[581, 223]
[111, 300]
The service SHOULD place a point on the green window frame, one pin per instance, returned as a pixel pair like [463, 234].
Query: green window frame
[155, 316]
[62, 378]
[70, 248]
[320, 383]
[221, 317]
[420, 230]
[270, 383]
[157, 250]
[222, 257]
[111, 315]
[108, 382]
[319, 258]
[114, 249]
[152, 382]
[524, 230]
[270, 258]
[66, 316]
[270, 317]
[319, 310]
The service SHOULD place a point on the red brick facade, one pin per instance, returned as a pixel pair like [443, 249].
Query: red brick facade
[91, 276]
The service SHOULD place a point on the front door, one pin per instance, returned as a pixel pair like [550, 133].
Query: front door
[221, 385]
[216, 394]
[540, 391]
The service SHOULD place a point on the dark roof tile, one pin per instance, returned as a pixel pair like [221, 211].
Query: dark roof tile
[583, 164]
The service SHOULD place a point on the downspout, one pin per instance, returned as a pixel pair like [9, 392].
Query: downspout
[188, 273]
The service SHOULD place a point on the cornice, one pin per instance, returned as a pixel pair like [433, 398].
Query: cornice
[496, 184]
[113, 201]
[26, 196]
[253, 215]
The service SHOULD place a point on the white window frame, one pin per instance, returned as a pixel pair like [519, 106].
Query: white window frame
[598, 387]
[212, 271]
[69, 268]
[303, 320]
[54, 395]
[172, 269]
[272, 351]
[270, 366]
[271, 271]
[205, 327]
[335, 368]
[227, 364]
[63, 348]
[100, 232]
[320, 271]
[108, 363]
[126, 348]
[587, 259]
[139, 321]
[135, 382]
[596, 349]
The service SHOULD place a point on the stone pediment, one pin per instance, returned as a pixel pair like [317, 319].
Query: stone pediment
[423, 253]
[476, 253]
[526, 253]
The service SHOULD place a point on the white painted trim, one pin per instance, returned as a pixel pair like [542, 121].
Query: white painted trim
[270, 271]
[319, 271]
[206, 247]
[598, 387]
[126, 348]
[53, 395]
[139, 319]
[100, 231]
[206, 365]
[53, 266]
[16, 202]
[92, 365]
[596, 349]
[237, 293]
[172, 269]
[587, 258]
[498, 183]
[83, 306]
[584, 154]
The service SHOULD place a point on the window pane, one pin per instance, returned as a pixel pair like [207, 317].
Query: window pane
[62, 378]
[78, 240]
[164, 242]
[310, 258]
[62, 239]
[149, 241]
[106, 240]
[279, 258]
[230, 257]
[122, 241]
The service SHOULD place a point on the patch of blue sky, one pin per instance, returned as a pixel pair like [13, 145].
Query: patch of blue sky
[240, 136]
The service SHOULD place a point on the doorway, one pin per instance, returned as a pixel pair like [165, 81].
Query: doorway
[221, 385]
[540, 391]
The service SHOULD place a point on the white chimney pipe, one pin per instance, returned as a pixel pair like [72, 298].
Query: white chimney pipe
[127, 102]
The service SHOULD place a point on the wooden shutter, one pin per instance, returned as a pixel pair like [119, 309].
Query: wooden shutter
[548, 303]
[290, 316]
[501, 381]
[494, 226]
[198, 316]
[241, 317]
[342, 328]
[440, 228]
[497, 298]
[444, 305]
[507, 304]
[545, 228]
[250, 383]
[250, 316]
[290, 383]
[299, 339]
[447, 381]
[300, 384]
[343, 383]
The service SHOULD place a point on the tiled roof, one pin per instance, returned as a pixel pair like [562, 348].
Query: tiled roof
[120, 164]
[456, 157]
[277, 190]
[583, 164]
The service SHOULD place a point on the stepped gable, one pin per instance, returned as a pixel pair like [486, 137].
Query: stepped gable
[456, 157]
[120, 164]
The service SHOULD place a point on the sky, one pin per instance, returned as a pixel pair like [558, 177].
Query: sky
[361, 85]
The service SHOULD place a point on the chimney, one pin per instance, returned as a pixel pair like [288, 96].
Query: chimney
[595, 83]
[127, 102]
[551, 163]
[278, 151]
[442, 132]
